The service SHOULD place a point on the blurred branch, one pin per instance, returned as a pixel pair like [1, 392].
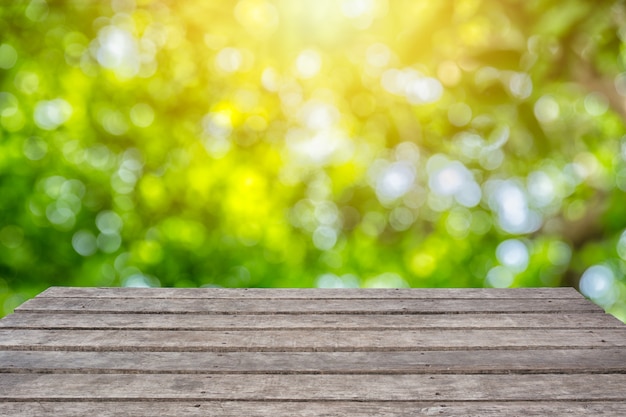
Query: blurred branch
[592, 80]
[586, 228]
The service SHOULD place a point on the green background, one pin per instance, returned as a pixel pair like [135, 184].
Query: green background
[396, 143]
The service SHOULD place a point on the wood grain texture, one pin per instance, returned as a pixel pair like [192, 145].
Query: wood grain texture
[269, 387]
[130, 321]
[305, 352]
[311, 293]
[322, 306]
[558, 361]
[314, 409]
[306, 341]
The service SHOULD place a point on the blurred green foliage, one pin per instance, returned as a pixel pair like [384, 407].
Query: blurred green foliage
[308, 143]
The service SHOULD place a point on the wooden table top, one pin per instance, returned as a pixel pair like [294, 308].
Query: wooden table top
[311, 352]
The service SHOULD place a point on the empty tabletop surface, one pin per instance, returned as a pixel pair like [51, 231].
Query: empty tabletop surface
[311, 352]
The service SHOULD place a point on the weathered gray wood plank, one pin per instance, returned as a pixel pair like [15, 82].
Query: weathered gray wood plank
[129, 321]
[322, 306]
[413, 362]
[312, 293]
[314, 409]
[576, 387]
[306, 341]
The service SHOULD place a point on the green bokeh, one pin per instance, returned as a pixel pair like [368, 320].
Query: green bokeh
[313, 143]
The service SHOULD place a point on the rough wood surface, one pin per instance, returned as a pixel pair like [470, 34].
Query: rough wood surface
[306, 341]
[500, 361]
[289, 387]
[296, 306]
[310, 293]
[114, 321]
[304, 352]
[346, 387]
[315, 409]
